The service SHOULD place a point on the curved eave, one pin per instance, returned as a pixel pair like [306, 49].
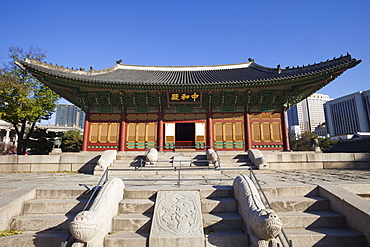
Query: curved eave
[193, 78]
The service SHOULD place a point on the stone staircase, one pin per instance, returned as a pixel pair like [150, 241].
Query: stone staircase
[221, 221]
[45, 220]
[308, 220]
[128, 160]
[222, 224]
[307, 217]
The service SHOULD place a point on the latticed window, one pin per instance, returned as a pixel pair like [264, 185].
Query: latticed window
[266, 127]
[229, 134]
[141, 135]
[104, 132]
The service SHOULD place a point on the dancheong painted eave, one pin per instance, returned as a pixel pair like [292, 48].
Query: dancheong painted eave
[133, 77]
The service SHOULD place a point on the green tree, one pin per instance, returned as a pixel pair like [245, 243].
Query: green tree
[304, 143]
[71, 141]
[24, 100]
[326, 143]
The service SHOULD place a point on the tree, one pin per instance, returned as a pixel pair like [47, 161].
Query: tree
[24, 100]
[304, 143]
[71, 141]
[326, 143]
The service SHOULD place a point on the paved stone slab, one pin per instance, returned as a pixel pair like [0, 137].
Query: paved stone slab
[177, 220]
[181, 160]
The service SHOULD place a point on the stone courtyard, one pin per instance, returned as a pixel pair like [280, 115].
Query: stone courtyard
[287, 177]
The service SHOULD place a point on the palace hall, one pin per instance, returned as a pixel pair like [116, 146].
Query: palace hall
[227, 107]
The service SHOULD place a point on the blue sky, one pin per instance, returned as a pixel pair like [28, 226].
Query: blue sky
[290, 33]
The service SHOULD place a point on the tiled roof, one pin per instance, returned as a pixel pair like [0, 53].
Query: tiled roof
[245, 73]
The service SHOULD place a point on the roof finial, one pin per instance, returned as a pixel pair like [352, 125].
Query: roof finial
[251, 60]
[119, 61]
[91, 68]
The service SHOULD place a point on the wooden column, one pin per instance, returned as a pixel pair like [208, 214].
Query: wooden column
[210, 133]
[122, 134]
[247, 131]
[284, 131]
[160, 132]
[86, 133]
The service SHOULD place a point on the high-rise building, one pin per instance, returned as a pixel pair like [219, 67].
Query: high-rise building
[348, 114]
[69, 115]
[309, 113]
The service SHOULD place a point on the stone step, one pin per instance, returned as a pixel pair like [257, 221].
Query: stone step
[218, 205]
[132, 223]
[37, 239]
[217, 191]
[289, 191]
[207, 191]
[55, 222]
[136, 206]
[140, 193]
[312, 219]
[222, 222]
[65, 193]
[224, 164]
[227, 239]
[299, 204]
[127, 239]
[190, 172]
[116, 172]
[53, 206]
[324, 237]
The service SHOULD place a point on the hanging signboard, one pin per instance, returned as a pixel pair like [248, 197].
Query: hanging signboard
[184, 98]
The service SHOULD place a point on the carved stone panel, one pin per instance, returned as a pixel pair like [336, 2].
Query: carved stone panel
[177, 220]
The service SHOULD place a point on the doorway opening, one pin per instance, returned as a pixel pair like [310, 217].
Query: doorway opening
[185, 135]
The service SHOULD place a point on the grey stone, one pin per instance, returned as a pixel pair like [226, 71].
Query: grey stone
[177, 220]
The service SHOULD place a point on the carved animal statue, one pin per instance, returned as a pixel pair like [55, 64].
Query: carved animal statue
[105, 160]
[151, 157]
[263, 225]
[211, 156]
[90, 227]
[258, 159]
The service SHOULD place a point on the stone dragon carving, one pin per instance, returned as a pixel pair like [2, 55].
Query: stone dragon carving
[151, 157]
[211, 156]
[258, 159]
[90, 227]
[262, 224]
[106, 159]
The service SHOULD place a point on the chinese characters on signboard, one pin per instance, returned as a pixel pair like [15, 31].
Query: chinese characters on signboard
[184, 97]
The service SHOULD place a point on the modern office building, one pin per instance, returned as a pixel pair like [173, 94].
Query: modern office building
[228, 107]
[309, 113]
[348, 114]
[69, 115]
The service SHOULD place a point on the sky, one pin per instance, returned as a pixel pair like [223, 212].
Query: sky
[96, 33]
